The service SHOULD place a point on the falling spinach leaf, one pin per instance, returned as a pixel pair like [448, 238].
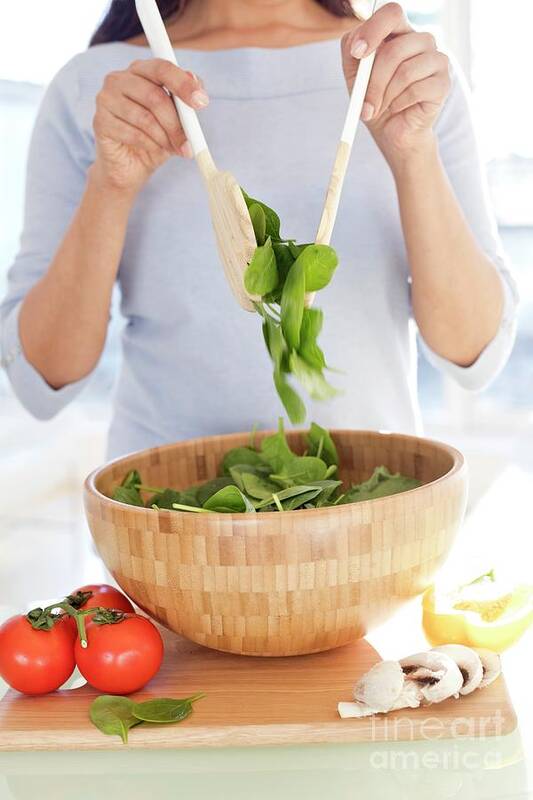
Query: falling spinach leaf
[292, 402]
[113, 715]
[310, 330]
[257, 215]
[319, 262]
[261, 276]
[292, 304]
[311, 379]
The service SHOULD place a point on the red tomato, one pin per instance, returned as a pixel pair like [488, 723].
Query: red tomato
[35, 661]
[105, 596]
[120, 658]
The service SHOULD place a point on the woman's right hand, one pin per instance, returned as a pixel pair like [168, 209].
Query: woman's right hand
[136, 124]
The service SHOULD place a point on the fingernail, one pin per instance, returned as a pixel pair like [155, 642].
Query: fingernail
[359, 48]
[199, 98]
[186, 150]
[367, 112]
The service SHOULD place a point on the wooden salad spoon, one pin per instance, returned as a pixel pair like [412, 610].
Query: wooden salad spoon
[231, 221]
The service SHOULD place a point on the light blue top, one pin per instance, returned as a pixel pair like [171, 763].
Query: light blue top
[193, 362]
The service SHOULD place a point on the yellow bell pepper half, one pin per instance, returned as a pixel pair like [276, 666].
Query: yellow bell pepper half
[485, 613]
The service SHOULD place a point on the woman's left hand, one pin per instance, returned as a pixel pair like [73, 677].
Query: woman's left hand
[409, 84]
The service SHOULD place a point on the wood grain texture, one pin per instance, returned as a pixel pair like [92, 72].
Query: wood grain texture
[333, 194]
[280, 584]
[251, 701]
[233, 228]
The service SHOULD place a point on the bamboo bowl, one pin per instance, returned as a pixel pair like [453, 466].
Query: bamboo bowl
[285, 583]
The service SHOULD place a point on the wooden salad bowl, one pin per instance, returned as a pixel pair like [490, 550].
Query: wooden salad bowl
[284, 583]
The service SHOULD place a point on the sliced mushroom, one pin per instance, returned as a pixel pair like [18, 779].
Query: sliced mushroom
[355, 710]
[444, 679]
[468, 662]
[491, 664]
[381, 686]
[411, 696]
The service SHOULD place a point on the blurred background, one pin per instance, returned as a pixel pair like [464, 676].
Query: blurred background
[42, 465]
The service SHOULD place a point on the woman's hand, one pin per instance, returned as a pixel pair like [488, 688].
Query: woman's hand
[136, 124]
[409, 84]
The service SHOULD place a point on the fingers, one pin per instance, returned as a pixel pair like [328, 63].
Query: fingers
[154, 101]
[390, 59]
[429, 91]
[414, 71]
[388, 20]
[109, 126]
[180, 83]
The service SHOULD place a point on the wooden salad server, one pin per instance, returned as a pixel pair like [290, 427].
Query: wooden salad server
[344, 149]
[231, 221]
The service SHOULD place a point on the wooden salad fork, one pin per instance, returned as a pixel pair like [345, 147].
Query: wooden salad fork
[233, 228]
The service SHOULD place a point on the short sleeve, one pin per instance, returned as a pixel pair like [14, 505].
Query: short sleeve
[461, 158]
[55, 180]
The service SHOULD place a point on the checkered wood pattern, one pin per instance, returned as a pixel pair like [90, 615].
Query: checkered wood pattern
[286, 583]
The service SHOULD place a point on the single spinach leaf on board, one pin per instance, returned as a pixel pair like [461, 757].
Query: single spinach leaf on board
[208, 489]
[257, 215]
[272, 220]
[311, 379]
[128, 495]
[261, 275]
[275, 450]
[163, 710]
[382, 483]
[257, 486]
[229, 500]
[240, 456]
[302, 469]
[320, 443]
[292, 402]
[165, 499]
[113, 715]
[320, 262]
[292, 304]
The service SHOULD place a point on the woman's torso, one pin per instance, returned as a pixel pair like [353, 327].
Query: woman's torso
[194, 362]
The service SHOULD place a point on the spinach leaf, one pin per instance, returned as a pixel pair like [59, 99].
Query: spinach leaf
[258, 487]
[272, 220]
[208, 489]
[257, 215]
[163, 710]
[275, 450]
[382, 483]
[302, 469]
[297, 249]
[188, 497]
[131, 480]
[239, 470]
[328, 490]
[229, 500]
[288, 494]
[292, 402]
[240, 456]
[128, 495]
[311, 379]
[320, 443]
[113, 715]
[165, 499]
[300, 500]
[310, 330]
[261, 274]
[284, 261]
[320, 262]
[292, 304]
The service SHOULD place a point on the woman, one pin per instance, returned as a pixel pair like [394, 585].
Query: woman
[112, 196]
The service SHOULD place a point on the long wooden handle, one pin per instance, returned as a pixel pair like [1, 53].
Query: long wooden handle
[331, 204]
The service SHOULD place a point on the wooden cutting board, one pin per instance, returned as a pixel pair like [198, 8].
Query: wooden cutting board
[252, 701]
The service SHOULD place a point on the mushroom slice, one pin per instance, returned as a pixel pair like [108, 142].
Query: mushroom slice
[468, 662]
[411, 696]
[491, 664]
[381, 686]
[355, 710]
[445, 681]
